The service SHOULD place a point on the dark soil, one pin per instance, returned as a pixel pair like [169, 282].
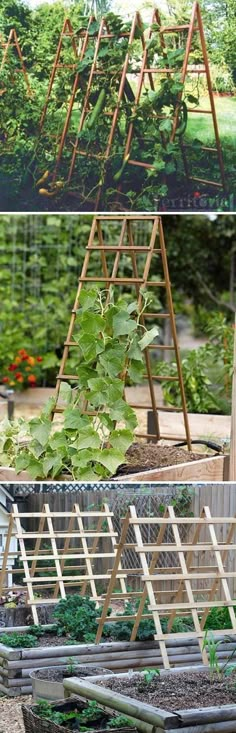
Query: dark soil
[58, 675]
[178, 691]
[144, 456]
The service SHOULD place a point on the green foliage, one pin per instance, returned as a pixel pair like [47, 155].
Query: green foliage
[218, 618]
[110, 340]
[17, 640]
[206, 371]
[76, 615]
[90, 715]
[212, 645]
[149, 675]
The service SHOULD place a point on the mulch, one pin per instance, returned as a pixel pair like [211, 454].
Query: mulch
[178, 691]
[11, 720]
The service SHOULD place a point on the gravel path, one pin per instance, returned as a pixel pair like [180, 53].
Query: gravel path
[11, 720]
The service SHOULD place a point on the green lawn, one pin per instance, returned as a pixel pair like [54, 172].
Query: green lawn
[201, 125]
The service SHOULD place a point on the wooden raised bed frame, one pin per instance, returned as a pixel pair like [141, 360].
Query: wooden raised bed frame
[120, 656]
[148, 718]
[214, 468]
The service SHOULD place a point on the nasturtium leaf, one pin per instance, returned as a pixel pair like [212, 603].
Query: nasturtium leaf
[148, 337]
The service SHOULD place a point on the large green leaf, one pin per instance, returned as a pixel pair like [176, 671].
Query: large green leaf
[40, 430]
[121, 439]
[111, 458]
[123, 325]
[148, 337]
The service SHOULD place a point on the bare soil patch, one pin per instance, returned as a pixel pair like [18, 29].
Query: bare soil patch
[178, 691]
[11, 720]
[142, 456]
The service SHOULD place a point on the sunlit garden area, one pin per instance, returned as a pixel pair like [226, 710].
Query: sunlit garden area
[115, 114]
[109, 367]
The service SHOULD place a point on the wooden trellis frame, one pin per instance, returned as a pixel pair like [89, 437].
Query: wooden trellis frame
[97, 39]
[109, 276]
[13, 42]
[88, 552]
[195, 26]
[146, 71]
[184, 572]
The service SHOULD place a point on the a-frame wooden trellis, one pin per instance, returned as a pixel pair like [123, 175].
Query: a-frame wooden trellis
[198, 560]
[78, 44]
[141, 258]
[46, 569]
[149, 71]
[12, 43]
[103, 33]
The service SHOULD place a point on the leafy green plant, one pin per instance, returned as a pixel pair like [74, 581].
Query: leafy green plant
[75, 615]
[90, 714]
[210, 643]
[120, 721]
[110, 341]
[149, 675]
[17, 640]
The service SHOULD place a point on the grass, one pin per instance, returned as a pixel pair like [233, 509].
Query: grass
[201, 125]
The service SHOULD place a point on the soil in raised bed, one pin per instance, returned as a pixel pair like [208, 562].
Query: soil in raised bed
[178, 691]
[58, 675]
[144, 456]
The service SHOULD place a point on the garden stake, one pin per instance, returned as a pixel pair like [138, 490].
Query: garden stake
[126, 246]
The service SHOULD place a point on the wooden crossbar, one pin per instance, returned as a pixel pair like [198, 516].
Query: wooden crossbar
[148, 71]
[13, 43]
[88, 553]
[111, 260]
[189, 597]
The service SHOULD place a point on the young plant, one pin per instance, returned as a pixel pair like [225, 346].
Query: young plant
[75, 615]
[149, 675]
[92, 444]
[16, 640]
[212, 645]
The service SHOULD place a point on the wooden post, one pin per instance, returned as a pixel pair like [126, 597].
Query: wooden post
[232, 457]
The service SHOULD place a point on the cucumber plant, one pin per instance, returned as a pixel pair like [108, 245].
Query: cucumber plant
[90, 444]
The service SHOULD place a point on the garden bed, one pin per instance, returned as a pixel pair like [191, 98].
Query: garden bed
[16, 664]
[180, 701]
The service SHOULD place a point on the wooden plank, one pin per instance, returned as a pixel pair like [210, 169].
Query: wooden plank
[207, 469]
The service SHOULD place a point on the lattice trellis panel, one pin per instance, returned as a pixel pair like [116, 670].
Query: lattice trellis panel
[200, 573]
[12, 45]
[79, 542]
[120, 255]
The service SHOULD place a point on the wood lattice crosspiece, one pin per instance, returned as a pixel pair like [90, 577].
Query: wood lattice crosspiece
[91, 41]
[120, 254]
[89, 540]
[12, 44]
[198, 569]
[149, 71]
[142, 75]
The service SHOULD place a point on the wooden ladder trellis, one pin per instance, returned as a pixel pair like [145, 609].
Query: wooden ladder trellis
[13, 43]
[79, 44]
[141, 259]
[184, 572]
[147, 70]
[88, 552]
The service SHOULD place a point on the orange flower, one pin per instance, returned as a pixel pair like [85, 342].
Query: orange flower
[22, 352]
[19, 378]
[18, 360]
[31, 360]
[32, 379]
[28, 369]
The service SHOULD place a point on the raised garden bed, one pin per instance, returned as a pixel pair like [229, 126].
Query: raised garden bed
[70, 715]
[174, 697]
[210, 468]
[17, 664]
[47, 683]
